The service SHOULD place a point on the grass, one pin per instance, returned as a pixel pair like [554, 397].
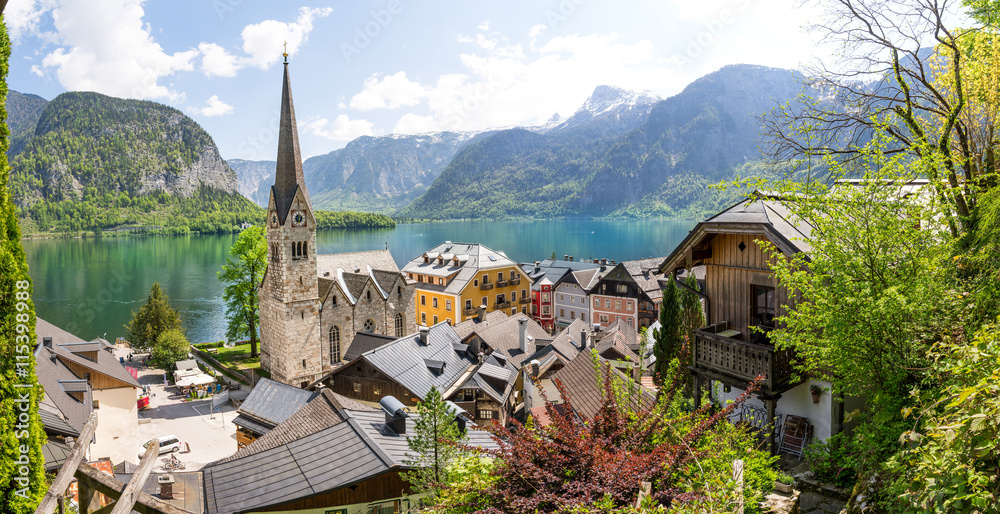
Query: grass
[238, 357]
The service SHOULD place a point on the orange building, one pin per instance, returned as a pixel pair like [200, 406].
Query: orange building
[455, 279]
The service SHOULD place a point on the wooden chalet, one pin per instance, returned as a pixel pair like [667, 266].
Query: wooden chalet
[742, 299]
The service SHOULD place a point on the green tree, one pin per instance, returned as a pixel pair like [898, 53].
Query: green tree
[153, 319]
[20, 426]
[667, 338]
[169, 348]
[242, 273]
[692, 317]
[434, 445]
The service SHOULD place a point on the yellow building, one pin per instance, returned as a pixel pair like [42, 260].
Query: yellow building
[455, 279]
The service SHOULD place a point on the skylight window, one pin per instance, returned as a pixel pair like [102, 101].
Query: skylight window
[493, 258]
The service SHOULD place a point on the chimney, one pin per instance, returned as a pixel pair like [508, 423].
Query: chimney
[636, 373]
[597, 327]
[423, 334]
[570, 258]
[534, 368]
[47, 342]
[482, 312]
[565, 257]
[395, 414]
[583, 338]
[538, 266]
[474, 345]
[527, 343]
[166, 483]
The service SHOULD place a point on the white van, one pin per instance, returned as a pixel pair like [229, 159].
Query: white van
[168, 443]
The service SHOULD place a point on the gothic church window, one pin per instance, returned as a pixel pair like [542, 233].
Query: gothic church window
[399, 325]
[334, 344]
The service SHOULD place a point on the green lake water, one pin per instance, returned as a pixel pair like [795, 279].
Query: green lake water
[91, 286]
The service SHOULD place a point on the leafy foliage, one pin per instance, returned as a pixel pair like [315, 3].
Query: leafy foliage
[242, 273]
[692, 318]
[20, 425]
[433, 445]
[154, 318]
[169, 348]
[574, 462]
[667, 338]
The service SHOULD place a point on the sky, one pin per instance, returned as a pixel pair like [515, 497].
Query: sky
[387, 66]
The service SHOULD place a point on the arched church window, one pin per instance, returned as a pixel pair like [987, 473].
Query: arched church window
[334, 344]
[399, 324]
[305, 249]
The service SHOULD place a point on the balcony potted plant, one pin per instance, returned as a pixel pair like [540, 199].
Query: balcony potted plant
[784, 483]
[815, 390]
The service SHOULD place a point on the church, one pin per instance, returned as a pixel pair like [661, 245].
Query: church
[311, 306]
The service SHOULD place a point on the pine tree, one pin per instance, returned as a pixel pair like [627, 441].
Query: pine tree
[667, 338]
[433, 445]
[242, 273]
[22, 473]
[692, 317]
[154, 318]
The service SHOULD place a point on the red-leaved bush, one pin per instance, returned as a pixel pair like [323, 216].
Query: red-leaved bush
[575, 461]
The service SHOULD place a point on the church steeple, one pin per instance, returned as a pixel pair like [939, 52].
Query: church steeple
[288, 174]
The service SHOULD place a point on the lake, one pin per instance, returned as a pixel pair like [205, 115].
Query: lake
[90, 287]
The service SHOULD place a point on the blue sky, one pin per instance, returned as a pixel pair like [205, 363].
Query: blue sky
[384, 67]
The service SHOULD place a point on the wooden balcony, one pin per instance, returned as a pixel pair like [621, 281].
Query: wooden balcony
[485, 287]
[738, 362]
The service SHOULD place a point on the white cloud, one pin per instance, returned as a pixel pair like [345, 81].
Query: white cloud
[415, 124]
[216, 60]
[262, 41]
[390, 92]
[23, 16]
[213, 107]
[504, 84]
[105, 47]
[341, 129]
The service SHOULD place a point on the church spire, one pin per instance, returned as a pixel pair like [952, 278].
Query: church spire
[288, 174]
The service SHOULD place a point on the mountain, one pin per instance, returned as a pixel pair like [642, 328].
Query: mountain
[611, 162]
[23, 111]
[98, 162]
[619, 108]
[254, 178]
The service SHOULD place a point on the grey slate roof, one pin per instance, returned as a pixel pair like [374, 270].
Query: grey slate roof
[403, 360]
[55, 453]
[323, 412]
[478, 257]
[554, 270]
[646, 274]
[106, 362]
[252, 425]
[760, 211]
[54, 421]
[354, 450]
[272, 402]
[504, 335]
[51, 374]
[365, 342]
[349, 261]
[619, 338]
[469, 326]
[579, 378]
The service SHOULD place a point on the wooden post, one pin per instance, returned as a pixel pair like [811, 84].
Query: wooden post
[61, 505]
[770, 402]
[65, 475]
[697, 391]
[644, 490]
[131, 493]
[738, 478]
[85, 497]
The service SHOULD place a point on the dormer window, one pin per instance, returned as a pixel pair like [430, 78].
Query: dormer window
[426, 259]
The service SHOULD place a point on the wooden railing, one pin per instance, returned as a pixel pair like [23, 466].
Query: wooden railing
[485, 287]
[501, 283]
[470, 312]
[515, 281]
[525, 300]
[503, 305]
[740, 359]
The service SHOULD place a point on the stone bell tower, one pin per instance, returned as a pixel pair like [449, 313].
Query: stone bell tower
[289, 294]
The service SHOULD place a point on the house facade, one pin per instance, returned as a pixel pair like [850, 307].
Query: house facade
[545, 277]
[571, 296]
[630, 292]
[454, 279]
[743, 298]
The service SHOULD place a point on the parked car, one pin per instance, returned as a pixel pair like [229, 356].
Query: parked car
[168, 444]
